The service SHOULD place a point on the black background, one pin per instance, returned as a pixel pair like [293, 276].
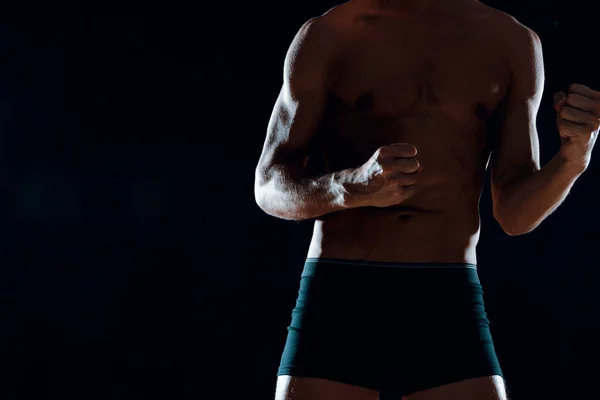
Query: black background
[135, 263]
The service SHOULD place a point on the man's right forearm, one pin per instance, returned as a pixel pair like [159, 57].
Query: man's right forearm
[294, 195]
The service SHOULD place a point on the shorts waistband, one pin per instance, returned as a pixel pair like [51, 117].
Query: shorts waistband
[389, 263]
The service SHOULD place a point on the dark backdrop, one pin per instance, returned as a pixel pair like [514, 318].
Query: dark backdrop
[135, 263]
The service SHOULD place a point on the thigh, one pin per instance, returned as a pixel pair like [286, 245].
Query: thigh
[483, 388]
[304, 388]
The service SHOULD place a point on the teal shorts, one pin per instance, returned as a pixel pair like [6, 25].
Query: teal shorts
[381, 324]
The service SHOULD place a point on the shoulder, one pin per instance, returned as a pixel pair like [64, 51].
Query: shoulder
[317, 34]
[311, 45]
[330, 25]
[505, 25]
[515, 35]
[522, 35]
[520, 45]
[319, 40]
[525, 56]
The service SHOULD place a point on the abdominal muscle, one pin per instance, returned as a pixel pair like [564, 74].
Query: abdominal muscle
[403, 233]
[439, 223]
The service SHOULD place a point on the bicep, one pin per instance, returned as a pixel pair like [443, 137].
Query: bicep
[515, 148]
[301, 103]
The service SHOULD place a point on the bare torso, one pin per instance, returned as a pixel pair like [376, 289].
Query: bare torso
[433, 82]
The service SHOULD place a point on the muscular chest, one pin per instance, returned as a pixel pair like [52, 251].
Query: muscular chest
[457, 79]
[406, 82]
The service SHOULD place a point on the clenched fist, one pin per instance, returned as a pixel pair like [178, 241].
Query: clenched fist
[387, 178]
[578, 121]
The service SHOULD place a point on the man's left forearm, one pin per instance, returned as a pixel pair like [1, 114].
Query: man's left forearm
[531, 198]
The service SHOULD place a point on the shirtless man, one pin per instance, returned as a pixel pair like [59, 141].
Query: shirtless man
[389, 114]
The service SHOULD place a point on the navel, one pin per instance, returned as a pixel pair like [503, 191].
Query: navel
[405, 217]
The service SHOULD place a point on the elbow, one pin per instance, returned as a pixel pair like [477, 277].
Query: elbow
[261, 187]
[513, 227]
[258, 192]
[263, 203]
[512, 230]
[268, 202]
[276, 198]
[260, 197]
[511, 224]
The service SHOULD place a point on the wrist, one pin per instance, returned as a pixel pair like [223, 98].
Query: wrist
[345, 187]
